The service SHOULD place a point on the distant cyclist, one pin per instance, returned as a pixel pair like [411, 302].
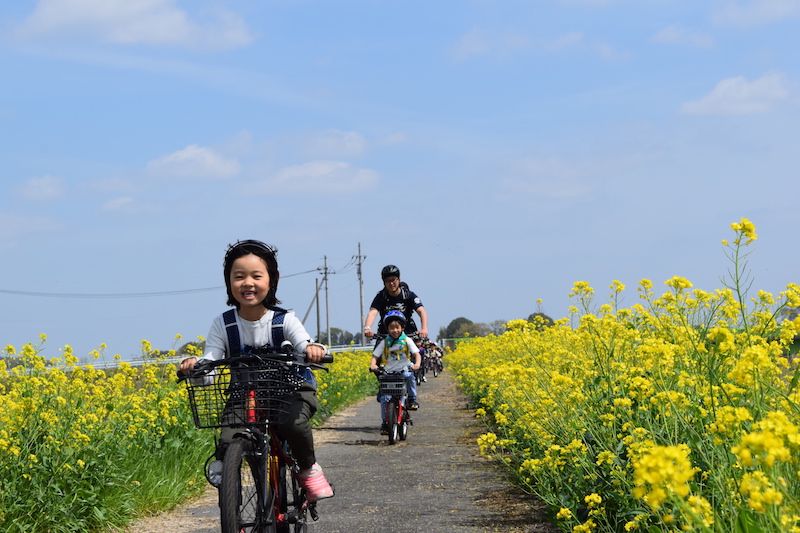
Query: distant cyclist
[423, 353]
[396, 296]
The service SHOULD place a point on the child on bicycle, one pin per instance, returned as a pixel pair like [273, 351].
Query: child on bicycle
[251, 276]
[423, 355]
[395, 353]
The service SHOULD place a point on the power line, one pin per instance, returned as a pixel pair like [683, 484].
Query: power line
[127, 294]
[109, 295]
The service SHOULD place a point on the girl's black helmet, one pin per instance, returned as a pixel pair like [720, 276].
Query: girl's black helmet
[389, 271]
[266, 252]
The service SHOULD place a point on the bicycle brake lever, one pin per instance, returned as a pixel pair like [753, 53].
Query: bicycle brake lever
[201, 368]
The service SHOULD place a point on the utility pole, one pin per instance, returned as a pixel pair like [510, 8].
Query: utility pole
[327, 306]
[316, 300]
[311, 306]
[360, 259]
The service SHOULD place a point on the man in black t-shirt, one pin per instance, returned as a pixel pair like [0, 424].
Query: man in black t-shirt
[396, 295]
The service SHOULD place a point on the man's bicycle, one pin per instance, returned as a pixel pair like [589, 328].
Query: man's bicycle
[257, 478]
[398, 419]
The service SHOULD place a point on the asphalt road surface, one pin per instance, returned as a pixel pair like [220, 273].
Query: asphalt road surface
[433, 482]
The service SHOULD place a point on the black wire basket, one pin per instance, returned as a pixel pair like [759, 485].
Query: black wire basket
[393, 385]
[241, 396]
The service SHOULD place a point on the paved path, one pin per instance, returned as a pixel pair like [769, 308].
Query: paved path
[433, 482]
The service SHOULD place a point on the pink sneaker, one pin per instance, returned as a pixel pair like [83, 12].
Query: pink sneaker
[315, 484]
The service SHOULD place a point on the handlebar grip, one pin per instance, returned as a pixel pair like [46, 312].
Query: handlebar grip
[201, 368]
[327, 358]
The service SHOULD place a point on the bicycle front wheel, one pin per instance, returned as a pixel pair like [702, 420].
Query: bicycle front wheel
[402, 429]
[391, 419]
[293, 510]
[240, 501]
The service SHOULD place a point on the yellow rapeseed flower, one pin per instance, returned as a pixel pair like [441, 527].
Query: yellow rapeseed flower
[678, 283]
[758, 491]
[700, 508]
[662, 471]
[746, 229]
[593, 500]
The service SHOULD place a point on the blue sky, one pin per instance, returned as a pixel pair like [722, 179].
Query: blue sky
[496, 151]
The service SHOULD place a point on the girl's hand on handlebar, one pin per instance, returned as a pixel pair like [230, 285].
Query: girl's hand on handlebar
[315, 353]
[187, 365]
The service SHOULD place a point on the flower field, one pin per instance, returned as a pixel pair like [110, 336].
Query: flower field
[83, 449]
[679, 413]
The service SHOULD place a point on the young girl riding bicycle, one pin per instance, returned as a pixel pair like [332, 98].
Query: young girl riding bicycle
[251, 279]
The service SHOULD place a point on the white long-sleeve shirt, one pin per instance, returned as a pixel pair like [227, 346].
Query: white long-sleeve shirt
[256, 334]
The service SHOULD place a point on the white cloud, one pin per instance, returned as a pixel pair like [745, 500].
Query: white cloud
[194, 162]
[320, 177]
[544, 178]
[577, 41]
[567, 41]
[677, 34]
[116, 185]
[482, 41]
[393, 139]
[755, 12]
[153, 22]
[479, 41]
[14, 226]
[126, 204]
[738, 96]
[42, 189]
[123, 203]
[335, 143]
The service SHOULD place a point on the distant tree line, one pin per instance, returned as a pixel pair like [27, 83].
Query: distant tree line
[463, 327]
[339, 337]
[458, 328]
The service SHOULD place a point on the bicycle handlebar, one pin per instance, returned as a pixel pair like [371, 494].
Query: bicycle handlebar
[284, 354]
